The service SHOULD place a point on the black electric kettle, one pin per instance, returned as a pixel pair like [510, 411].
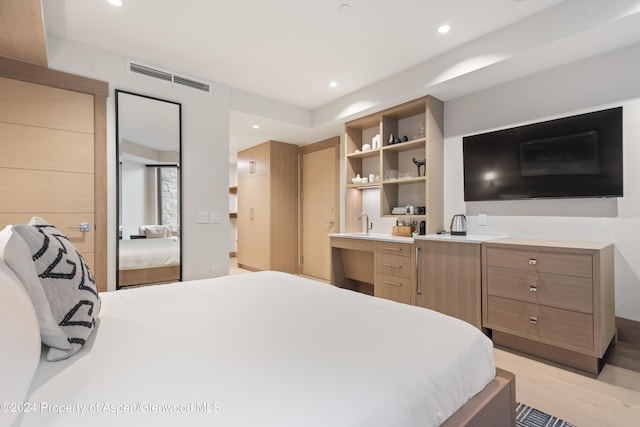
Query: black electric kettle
[459, 225]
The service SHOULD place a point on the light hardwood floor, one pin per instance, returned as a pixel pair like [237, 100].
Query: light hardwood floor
[611, 399]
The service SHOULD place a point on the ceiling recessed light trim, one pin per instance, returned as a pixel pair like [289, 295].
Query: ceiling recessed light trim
[444, 28]
[255, 126]
[333, 84]
[344, 8]
[117, 3]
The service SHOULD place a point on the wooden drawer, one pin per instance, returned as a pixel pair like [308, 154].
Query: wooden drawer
[393, 265]
[538, 322]
[393, 287]
[402, 249]
[571, 264]
[556, 290]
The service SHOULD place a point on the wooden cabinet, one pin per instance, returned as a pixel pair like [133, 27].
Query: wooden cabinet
[449, 279]
[551, 299]
[419, 125]
[267, 207]
[394, 271]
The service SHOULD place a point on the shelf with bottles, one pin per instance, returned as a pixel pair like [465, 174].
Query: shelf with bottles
[405, 145]
[359, 168]
[402, 194]
[402, 166]
[409, 162]
[364, 154]
[404, 124]
[360, 136]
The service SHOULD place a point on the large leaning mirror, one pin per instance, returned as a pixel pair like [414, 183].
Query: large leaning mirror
[148, 141]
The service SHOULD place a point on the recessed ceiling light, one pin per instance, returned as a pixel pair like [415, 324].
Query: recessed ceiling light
[333, 84]
[344, 8]
[256, 126]
[444, 29]
[116, 2]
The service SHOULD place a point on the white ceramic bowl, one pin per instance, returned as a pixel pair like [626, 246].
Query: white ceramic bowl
[366, 147]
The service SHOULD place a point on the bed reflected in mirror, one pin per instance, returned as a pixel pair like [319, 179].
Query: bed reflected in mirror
[148, 142]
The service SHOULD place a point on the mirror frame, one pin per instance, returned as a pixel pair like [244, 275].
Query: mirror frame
[118, 183]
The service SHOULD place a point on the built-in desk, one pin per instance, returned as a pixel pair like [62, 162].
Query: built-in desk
[440, 272]
[352, 263]
[361, 263]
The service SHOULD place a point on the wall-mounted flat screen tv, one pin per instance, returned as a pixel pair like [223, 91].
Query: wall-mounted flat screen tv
[577, 156]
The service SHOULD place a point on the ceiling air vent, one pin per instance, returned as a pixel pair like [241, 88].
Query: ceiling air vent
[191, 83]
[146, 70]
[149, 71]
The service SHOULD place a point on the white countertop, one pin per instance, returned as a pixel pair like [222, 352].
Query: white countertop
[469, 238]
[374, 236]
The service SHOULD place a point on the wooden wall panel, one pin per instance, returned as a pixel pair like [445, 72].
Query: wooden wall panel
[33, 191]
[26, 147]
[22, 34]
[90, 260]
[44, 106]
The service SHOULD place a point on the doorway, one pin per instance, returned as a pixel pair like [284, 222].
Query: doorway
[319, 216]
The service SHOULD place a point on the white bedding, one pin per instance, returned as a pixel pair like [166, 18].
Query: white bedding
[147, 253]
[263, 349]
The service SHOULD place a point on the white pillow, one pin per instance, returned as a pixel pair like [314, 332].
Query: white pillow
[15, 252]
[67, 283]
[20, 340]
[157, 231]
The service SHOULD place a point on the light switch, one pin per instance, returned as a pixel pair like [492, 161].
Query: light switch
[215, 217]
[202, 217]
[482, 219]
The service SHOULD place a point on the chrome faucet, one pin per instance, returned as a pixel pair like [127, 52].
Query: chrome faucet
[367, 223]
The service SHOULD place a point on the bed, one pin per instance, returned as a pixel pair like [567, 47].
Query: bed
[149, 260]
[265, 348]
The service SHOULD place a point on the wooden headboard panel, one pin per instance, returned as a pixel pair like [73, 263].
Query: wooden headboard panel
[53, 161]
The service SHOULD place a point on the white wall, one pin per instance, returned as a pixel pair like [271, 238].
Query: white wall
[134, 215]
[205, 150]
[601, 82]
[371, 206]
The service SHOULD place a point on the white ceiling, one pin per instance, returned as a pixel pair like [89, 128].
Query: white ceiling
[289, 50]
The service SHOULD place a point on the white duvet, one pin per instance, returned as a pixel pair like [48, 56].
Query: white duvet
[262, 349]
[146, 253]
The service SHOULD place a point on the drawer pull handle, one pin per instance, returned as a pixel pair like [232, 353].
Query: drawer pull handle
[533, 288]
[392, 249]
[533, 320]
[392, 266]
[533, 261]
[386, 282]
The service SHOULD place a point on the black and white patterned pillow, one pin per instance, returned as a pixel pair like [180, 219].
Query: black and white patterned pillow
[67, 283]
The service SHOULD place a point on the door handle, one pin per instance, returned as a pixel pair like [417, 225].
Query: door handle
[85, 227]
[418, 289]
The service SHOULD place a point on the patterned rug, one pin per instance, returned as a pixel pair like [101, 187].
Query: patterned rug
[526, 416]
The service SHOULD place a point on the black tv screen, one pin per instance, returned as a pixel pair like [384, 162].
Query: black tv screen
[577, 156]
